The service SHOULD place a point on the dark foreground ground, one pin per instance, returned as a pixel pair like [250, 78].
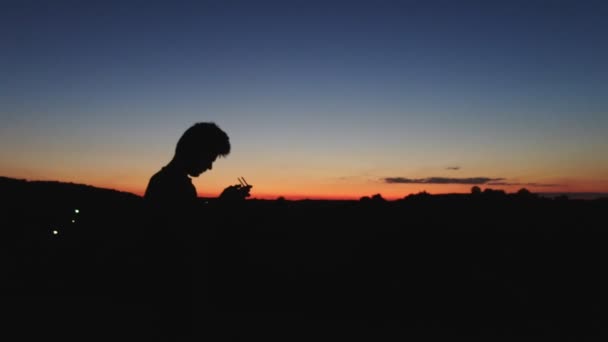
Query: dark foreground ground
[487, 265]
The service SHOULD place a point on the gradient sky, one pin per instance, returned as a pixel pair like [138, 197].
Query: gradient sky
[320, 99]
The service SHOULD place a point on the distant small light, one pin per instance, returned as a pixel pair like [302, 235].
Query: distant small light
[76, 211]
[55, 232]
[73, 221]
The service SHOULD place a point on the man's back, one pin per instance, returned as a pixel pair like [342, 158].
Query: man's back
[170, 200]
[170, 189]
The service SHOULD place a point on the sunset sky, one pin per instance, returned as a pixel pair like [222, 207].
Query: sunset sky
[320, 99]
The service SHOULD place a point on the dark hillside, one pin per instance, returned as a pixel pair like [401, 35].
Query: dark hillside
[485, 264]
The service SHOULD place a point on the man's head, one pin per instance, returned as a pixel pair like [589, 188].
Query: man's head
[200, 145]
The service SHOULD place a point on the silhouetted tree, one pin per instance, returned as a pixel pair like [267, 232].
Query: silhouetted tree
[378, 198]
[490, 191]
[475, 190]
[419, 196]
[494, 194]
[524, 193]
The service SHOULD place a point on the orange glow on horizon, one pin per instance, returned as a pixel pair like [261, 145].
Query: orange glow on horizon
[385, 195]
[338, 191]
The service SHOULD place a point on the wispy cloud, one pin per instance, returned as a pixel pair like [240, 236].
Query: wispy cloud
[442, 180]
[467, 181]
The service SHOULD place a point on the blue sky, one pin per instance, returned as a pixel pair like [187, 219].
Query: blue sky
[319, 98]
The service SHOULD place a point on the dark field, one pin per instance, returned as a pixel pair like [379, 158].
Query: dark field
[488, 265]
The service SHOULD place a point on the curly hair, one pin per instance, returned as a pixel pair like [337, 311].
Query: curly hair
[203, 138]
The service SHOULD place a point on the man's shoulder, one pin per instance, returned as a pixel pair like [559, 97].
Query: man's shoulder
[160, 175]
[158, 179]
[168, 184]
[166, 176]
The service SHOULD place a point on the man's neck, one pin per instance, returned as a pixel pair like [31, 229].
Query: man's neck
[176, 167]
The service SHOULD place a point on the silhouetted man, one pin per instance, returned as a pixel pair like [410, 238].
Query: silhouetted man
[197, 149]
[172, 230]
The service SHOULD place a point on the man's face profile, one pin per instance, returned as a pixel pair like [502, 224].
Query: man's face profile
[201, 165]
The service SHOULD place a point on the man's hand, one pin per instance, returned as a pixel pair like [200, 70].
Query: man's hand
[238, 192]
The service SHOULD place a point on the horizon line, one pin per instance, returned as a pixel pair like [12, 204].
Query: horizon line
[297, 197]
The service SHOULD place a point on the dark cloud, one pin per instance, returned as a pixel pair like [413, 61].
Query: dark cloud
[442, 180]
[453, 168]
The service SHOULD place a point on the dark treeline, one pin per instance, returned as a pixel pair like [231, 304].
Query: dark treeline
[480, 264]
